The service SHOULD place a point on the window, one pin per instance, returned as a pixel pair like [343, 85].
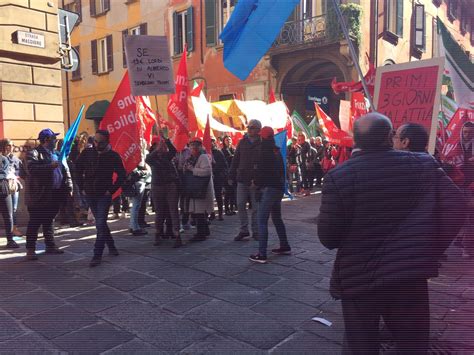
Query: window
[183, 26]
[394, 17]
[102, 55]
[217, 16]
[226, 97]
[99, 7]
[75, 6]
[76, 74]
[134, 31]
[452, 9]
[419, 30]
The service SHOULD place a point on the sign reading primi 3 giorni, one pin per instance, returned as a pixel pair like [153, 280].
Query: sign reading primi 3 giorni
[28, 39]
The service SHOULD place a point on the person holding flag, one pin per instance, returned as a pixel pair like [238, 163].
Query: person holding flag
[48, 180]
[95, 170]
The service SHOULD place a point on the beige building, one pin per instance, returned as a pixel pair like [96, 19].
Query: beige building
[98, 38]
[30, 70]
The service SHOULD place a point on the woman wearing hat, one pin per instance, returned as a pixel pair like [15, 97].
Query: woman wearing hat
[270, 180]
[199, 164]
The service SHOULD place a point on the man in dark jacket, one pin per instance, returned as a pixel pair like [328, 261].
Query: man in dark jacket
[390, 214]
[242, 170]
[164, 186]
[48, 182]
[95, 169]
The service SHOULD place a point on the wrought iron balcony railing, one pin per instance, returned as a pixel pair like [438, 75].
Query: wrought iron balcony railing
[311, 30]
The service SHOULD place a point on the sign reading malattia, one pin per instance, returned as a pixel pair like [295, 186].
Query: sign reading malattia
[410, 92]
[149, 65]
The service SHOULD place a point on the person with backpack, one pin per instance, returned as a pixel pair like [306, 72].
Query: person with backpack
[134, 188]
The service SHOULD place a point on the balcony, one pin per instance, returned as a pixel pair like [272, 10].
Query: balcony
[319, 30]
[307, 32]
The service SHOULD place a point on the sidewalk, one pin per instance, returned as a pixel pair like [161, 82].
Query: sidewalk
[202, 298]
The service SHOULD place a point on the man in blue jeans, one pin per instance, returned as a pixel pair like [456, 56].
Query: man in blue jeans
[95, 169]
[270, 180]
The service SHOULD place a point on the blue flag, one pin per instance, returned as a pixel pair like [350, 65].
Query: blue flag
[251, 30]
[69, 137]
[280, 142]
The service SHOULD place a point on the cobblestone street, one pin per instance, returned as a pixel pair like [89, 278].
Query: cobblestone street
[203, 298]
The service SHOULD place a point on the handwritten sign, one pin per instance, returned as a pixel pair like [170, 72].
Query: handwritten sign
[410, 92]
[149, 65]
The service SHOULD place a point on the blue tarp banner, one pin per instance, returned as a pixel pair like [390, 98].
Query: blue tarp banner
[280, 142]
[69, 137]
[251, 31]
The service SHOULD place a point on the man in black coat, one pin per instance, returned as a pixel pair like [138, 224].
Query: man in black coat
[219, 175]
[48, 183]
[390, 214]
[95, 169]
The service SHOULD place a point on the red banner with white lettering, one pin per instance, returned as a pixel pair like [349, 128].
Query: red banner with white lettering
[178, 107]
[333, 134]
[358, 108]
[146, 116]
[452, 152]
[121, 121]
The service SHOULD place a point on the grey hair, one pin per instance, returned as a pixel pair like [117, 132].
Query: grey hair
[256, 123]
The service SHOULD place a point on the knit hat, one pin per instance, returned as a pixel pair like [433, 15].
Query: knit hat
[266, 132]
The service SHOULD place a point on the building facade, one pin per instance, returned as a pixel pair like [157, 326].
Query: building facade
[98, 39]
[30, 70]
[309, 52]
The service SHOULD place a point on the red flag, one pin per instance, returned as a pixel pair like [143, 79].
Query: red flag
[178, 106]
[358, 108]
[333, 134]
[146, 116]
[353, 86]
[206, 141]
[452, 152]
[121, 121]
[197, 90]
[271, 96]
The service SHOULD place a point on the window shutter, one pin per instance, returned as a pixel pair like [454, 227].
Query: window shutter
[106, 5]
[92, 8]
[79, 9]
[94, 57]
[124, 56]
[400, 18]
[110, 54]
[76, 74]
[144, 29]
[211, 35]
[176, 49]
[190, 29]
[420, 26]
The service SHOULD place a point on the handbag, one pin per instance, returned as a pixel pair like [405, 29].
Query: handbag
[4, 188]
[196, 186]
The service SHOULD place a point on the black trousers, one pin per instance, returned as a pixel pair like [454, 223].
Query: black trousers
[42, 216]
[229, 197]
[218, 186]
[6, 208]
[405, 311]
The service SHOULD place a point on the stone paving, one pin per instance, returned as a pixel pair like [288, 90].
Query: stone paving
[205, 298]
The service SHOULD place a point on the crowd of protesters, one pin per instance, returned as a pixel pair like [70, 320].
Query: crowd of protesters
[387, 247]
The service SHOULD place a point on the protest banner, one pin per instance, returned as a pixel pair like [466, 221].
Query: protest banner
[333, 134]
[121, 121]
[149, 65]
[410, 92]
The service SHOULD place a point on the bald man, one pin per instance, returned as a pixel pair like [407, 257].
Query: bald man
[390, 214]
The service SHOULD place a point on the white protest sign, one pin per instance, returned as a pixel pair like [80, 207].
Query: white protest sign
[149, 65]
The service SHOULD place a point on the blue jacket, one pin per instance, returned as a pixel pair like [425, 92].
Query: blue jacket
[390, 214]
[4, 166]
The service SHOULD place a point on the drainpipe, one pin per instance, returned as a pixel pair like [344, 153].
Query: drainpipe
[68, 106]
